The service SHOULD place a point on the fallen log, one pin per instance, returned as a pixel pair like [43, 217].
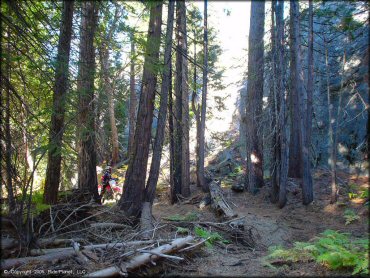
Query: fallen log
[8, 243]
[13, 263]
[56, 241]
[219, 201]
[36, 252]
[140, 260]
[48, 255]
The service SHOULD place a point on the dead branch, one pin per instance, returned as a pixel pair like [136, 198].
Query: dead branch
[143, 259]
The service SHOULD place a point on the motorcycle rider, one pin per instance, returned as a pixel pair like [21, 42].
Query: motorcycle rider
[105, 179]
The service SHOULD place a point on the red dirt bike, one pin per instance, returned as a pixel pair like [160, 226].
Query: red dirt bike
[112, 191]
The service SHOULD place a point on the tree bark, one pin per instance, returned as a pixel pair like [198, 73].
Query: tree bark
[310, 72]
[133, 99]
[108, 89]
[295, 159]
[133, 190]
[195, 109]
[283, 126]
[219, 201]
[254, 97]
[281, 134]
[172, 142]
[301, 95]
[59, 99]
[200, 172]
[274, 193]
[163, 106]
[87, 178]
[181, 158]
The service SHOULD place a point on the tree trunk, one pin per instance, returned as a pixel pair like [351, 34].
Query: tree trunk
[282, 122]
[295, 160]
[254, 97]
[301, 95]
[281, 137]
[195, 109]
[310, 72]
[108, 89]
[334, 192]
[87, 179]
[181, 158]
[274, 193]
[172, 141]
[59, 99]
[133, 99]
[8, 137]
[200, 172]
[163, 106]
[131, 201]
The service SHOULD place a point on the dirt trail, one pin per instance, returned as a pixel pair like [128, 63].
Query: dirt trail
[295, 222]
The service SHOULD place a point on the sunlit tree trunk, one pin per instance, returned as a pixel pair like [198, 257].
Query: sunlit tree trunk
[181, 158]
[87, 179]
[163, 106]
[200, 172]
[254, 97]
[133, 99]
[109, 90]
[195, 109]
[134, 186]
[59, 100]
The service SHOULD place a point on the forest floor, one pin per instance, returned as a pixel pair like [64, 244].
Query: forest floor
[273, 226]
[265, 226]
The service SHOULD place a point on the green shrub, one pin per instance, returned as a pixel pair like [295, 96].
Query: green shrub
[37, 202]
[332, 249]
[191, 216]
[211, 237]
[350, 216]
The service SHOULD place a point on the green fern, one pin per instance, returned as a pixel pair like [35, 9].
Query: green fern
[181, 230]
[350, 216]
[211, 237]
[333, 249]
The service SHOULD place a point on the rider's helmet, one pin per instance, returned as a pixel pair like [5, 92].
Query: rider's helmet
[108, 169]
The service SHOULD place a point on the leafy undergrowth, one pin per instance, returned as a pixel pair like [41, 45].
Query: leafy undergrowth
[37, 202]
[333, 249]
[211, 237]
[191, 216]
[350, 216]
